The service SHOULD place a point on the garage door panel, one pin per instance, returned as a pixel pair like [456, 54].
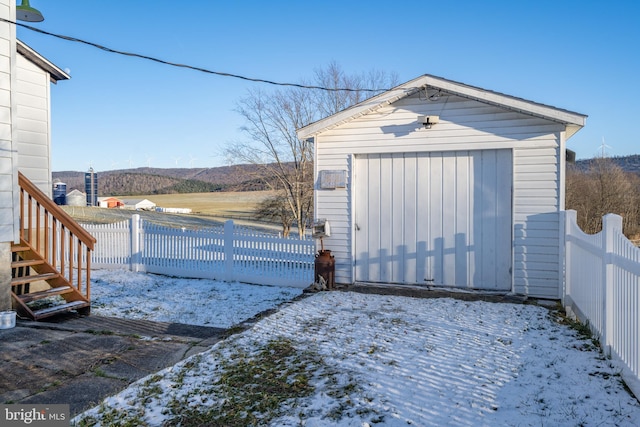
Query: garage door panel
[424, 264]
[442, 218]
[461, 211]
[434, 274]
[448, 206]
[398, 220]
[487, 216]
[384, 248]
[505, 216]
[410, 215]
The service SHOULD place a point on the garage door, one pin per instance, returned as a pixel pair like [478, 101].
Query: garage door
[439, 219]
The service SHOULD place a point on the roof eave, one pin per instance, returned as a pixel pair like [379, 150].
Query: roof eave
[566, 117]
[55, 73]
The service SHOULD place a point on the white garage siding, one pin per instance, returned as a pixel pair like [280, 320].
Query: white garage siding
[335, 206]
[464, 125]
[536, 222]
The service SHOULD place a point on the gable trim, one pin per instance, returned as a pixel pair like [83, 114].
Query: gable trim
[573, 121]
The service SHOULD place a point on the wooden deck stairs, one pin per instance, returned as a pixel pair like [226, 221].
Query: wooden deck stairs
[51, 264]
[39, 290]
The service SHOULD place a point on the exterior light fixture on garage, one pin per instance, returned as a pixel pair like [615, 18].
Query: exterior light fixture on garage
[428, 121]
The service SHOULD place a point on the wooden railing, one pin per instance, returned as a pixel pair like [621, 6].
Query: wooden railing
[55, 236]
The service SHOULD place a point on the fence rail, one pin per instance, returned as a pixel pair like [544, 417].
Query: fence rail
[602, 287]
[226, 253]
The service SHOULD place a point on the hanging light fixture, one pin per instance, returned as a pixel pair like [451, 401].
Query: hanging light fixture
[25, 12]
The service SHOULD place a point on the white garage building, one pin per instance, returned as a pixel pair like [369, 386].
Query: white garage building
[470, 199]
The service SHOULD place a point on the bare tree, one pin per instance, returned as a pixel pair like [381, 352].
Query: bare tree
[603, 188]
[276, 209]
[285, 162]
[332, 76]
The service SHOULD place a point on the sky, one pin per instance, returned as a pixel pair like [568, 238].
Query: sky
[371, 359]
[118, 112]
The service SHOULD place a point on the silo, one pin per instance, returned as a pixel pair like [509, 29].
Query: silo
[91, 187]
[60, 193]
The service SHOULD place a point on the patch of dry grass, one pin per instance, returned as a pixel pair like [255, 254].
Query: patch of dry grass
[216, 204]
[209, 209]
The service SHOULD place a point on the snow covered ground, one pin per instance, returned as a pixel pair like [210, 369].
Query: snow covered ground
[377, 360]
[119, 293]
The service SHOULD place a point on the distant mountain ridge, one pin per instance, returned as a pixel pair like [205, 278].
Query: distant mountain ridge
[144, 181]
[629, 163]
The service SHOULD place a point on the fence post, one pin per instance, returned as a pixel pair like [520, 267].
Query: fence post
[567, 219]
[611, 225]
[136, 255]
[228, 251]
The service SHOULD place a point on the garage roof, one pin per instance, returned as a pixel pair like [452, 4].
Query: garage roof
[573, 121]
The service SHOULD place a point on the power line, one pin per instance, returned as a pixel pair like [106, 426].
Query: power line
[190, 67]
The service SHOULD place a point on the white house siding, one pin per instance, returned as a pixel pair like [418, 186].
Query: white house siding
[9, 208]
[8, 172]
[32, 98]
[464, 125]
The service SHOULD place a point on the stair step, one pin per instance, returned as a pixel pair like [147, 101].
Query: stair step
[19, 248]
[33, 296]
[62, 308]
[33, 278]
[26, 263]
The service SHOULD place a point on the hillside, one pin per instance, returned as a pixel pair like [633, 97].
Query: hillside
[627, 163]
[145, 181]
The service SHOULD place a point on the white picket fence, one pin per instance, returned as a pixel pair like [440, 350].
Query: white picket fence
[602, 288]
[226, 253]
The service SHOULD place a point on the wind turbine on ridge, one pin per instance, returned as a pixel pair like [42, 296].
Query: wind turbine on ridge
[603, 148]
